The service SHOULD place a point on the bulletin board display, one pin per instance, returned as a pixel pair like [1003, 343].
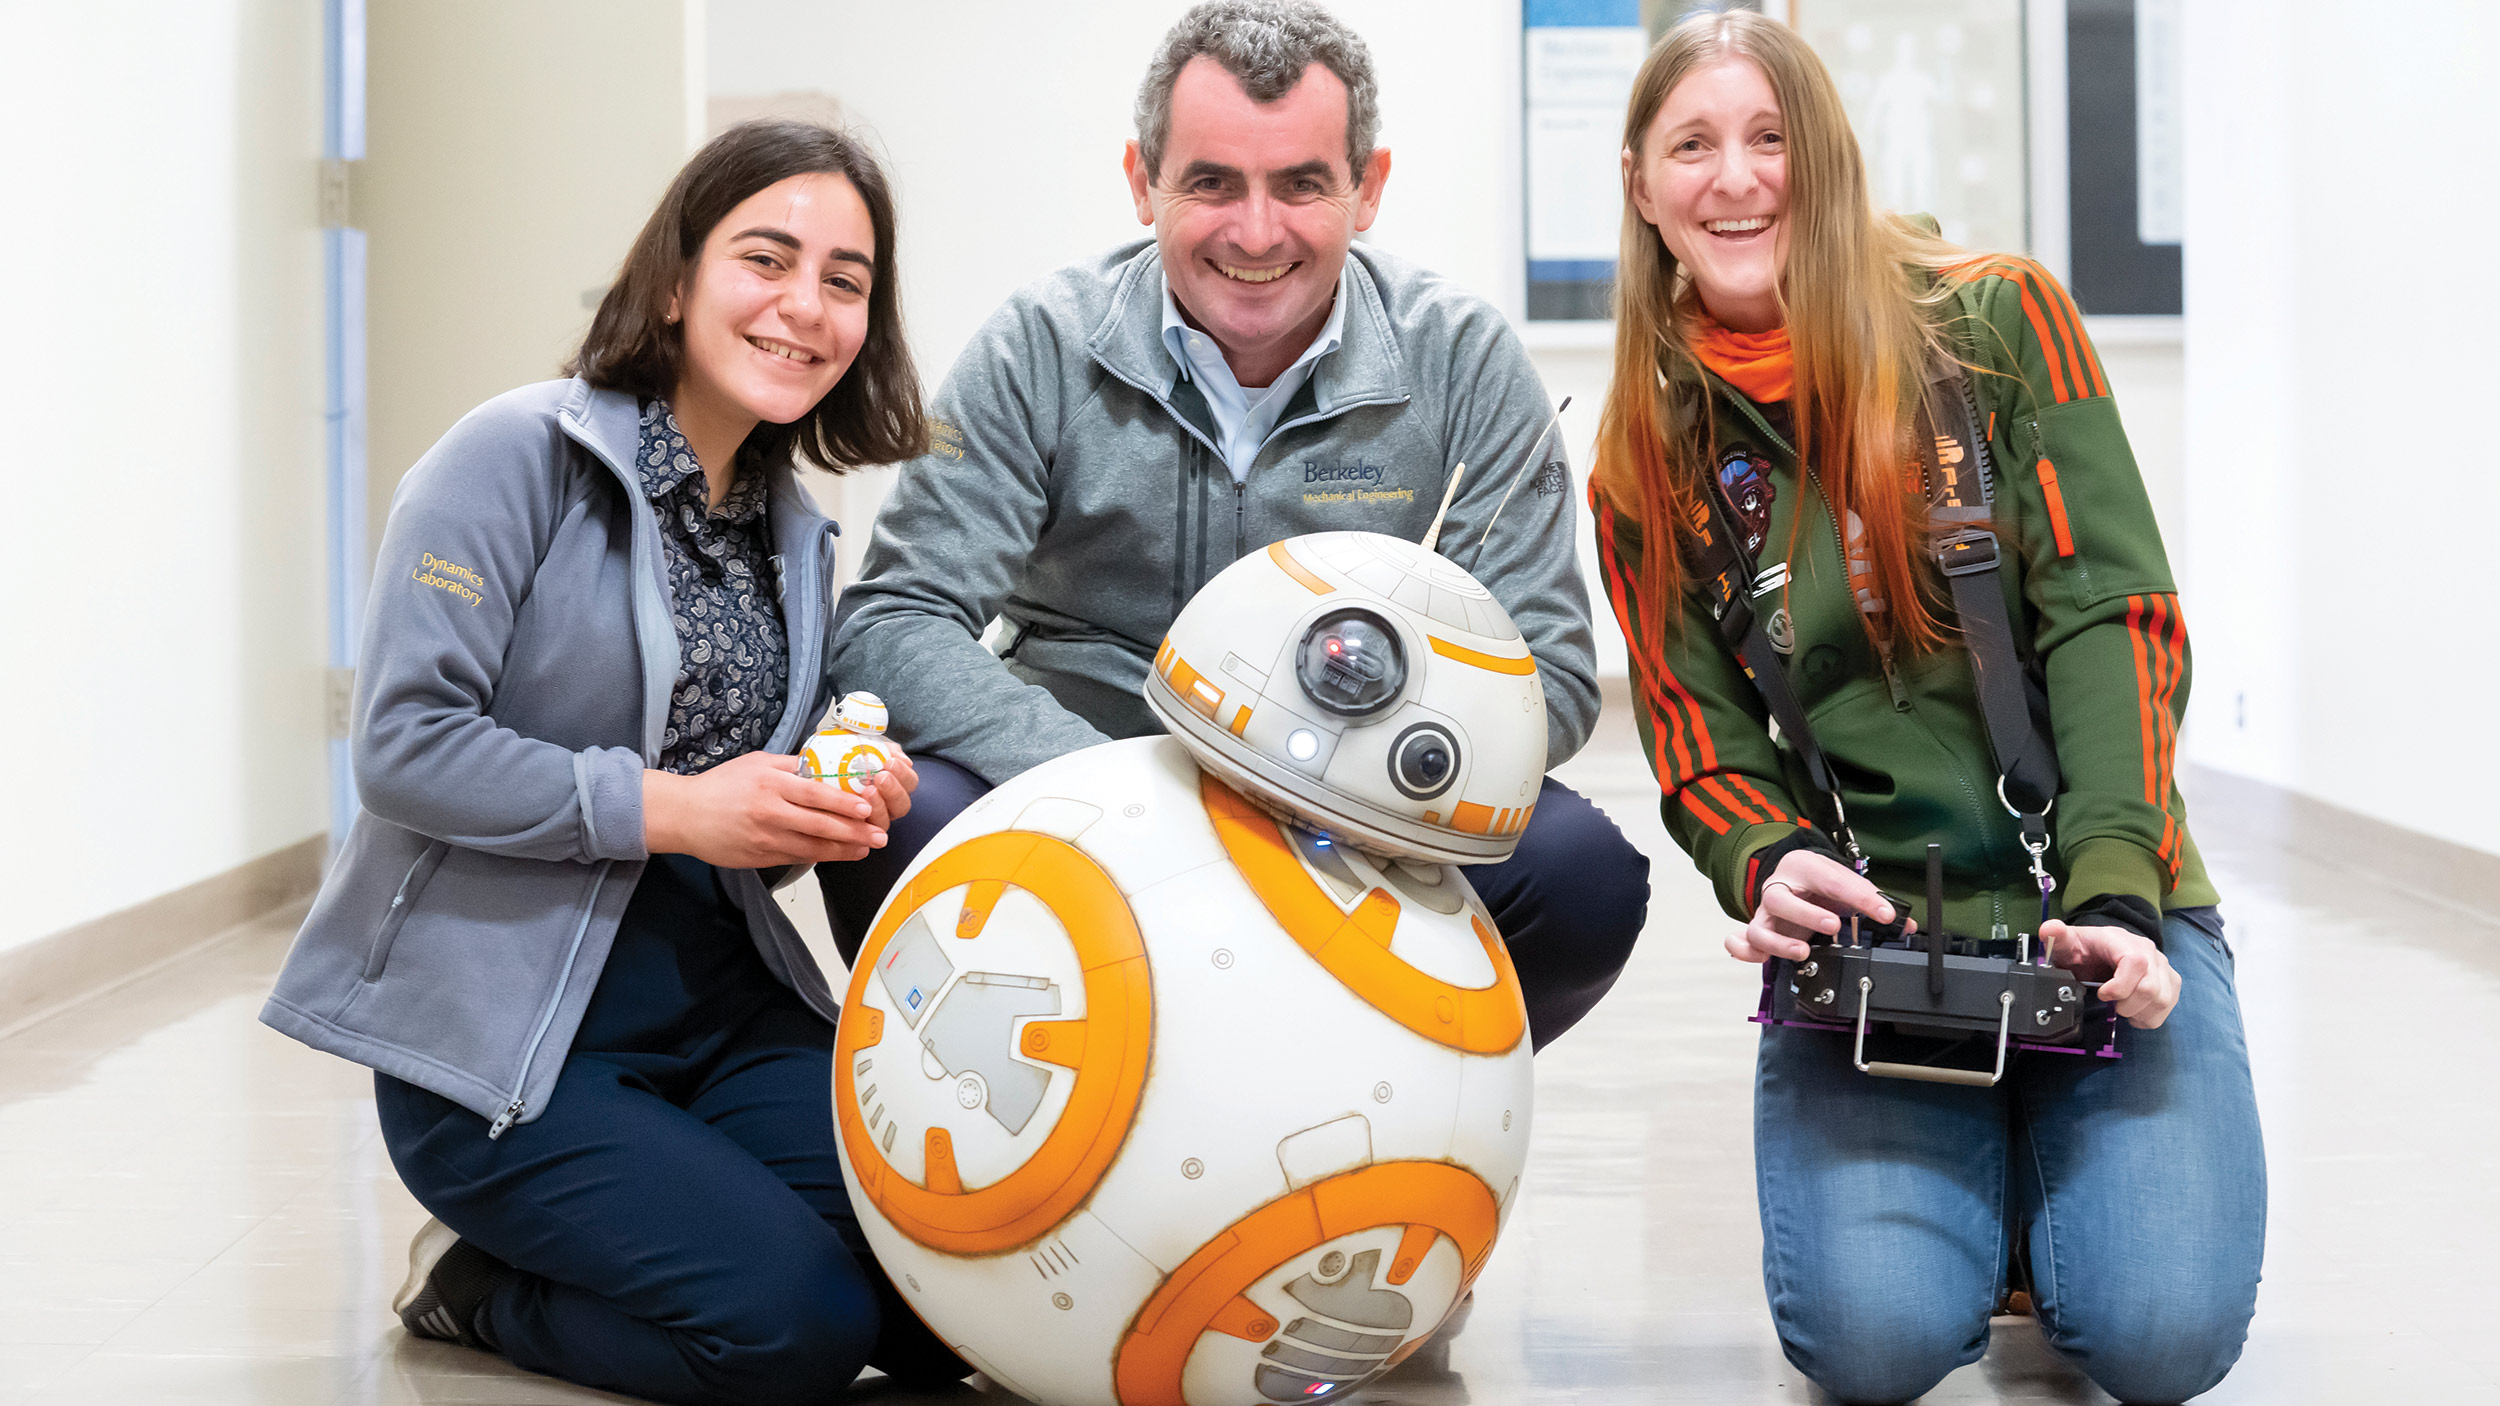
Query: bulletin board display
[1934, 89]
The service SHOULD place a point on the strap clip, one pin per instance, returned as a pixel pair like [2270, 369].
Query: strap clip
[1967, 552]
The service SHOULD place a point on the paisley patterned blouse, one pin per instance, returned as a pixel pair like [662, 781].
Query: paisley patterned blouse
[733, 652]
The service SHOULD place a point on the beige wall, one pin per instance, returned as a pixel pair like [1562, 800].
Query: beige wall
[513, 151]
[164, 369]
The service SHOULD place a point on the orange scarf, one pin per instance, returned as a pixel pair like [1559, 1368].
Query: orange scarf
[1758, 364]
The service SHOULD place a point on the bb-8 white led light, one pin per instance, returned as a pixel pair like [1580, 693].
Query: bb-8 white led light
[1365, 687]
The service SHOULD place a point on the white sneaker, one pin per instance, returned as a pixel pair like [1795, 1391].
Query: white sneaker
[447, 1279]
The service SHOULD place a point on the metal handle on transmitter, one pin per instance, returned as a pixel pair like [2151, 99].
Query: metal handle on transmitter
[1929, 1074]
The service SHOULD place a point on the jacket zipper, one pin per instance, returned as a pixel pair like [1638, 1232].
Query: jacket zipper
[1241, 518]
[519, 1103]
[520, 1087]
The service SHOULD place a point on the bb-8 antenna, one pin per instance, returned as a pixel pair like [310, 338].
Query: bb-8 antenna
[1514, 479]
[1432, 535]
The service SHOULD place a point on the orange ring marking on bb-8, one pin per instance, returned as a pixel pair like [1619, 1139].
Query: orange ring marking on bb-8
[1206, 1293]
[1521, 665]
[842, 767]
[1355, 950]
[1193, 687]
[1284, 560]
[1107, 1049]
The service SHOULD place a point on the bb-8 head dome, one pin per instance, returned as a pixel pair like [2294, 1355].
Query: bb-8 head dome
[1145, 1097]
[1366, 687]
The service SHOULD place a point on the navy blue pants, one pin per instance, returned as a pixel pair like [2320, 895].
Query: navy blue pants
[1570, 901]
[676, 1217]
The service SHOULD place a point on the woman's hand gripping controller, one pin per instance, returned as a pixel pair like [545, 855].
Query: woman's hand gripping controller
[2134, 975]
[1803, 902]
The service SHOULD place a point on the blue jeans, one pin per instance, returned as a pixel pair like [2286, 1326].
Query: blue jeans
[1887, 1205]
[1569, 901]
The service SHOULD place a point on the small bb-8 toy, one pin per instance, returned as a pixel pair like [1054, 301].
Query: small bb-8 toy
[851, 749]
[1145, 1095]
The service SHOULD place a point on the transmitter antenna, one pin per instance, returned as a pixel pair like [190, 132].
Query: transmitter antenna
[1514, 479]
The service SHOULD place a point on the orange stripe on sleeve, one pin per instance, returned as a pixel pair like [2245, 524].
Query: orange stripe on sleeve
[2064, 302]
[1701, 730]
[1726, 795]
[2159, 636]
[2163, 677]
[2142, 642]
[1694, 779]
[2069, 325]
[2176, 644]
[1685, 710]
[1618, 594]
[1761, 802]
[2048, 339]
[2053, 350]
[1674, 779]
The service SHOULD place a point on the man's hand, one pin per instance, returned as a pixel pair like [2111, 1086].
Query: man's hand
[2134, 975]
[1803, 900]
[756, 812]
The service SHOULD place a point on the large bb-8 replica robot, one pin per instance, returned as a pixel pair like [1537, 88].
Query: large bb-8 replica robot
[1148, 1096]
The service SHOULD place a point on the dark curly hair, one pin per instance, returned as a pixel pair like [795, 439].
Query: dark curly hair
[1266, 45]
[873, 414]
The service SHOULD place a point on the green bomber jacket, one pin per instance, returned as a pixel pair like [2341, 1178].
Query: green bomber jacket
[2087, 583]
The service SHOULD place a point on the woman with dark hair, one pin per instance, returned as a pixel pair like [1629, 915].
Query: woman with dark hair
[1798, 523]
[595, 639]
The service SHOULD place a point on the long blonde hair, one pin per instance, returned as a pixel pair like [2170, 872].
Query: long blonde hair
[1858, 317]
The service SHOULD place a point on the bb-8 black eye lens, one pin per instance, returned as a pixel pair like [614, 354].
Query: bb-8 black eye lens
[1424, 761]
[1351, 663]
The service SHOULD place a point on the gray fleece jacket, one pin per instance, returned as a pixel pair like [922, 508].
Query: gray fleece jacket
[518, 657]
[1074, 487]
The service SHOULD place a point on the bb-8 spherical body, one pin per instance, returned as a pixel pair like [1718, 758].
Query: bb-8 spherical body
[1146, 1098]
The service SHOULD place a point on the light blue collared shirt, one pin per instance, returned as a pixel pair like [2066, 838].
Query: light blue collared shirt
[1244, 418]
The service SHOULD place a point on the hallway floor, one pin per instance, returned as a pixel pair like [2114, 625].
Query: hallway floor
[195, 1209]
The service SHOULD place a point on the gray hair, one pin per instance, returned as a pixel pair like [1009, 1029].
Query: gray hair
[1267, 44]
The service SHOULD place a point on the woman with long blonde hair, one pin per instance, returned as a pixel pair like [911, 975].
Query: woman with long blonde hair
[1770, 453]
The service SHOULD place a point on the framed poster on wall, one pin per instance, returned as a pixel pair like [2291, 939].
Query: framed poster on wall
[1580, 57]
[2041, 126]
[1935, 91]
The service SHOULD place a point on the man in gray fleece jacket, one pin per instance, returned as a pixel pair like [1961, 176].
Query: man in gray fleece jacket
[1125, 428]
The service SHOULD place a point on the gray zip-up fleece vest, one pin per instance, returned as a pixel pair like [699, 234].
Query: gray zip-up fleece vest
[518, 657]
[1074, 487]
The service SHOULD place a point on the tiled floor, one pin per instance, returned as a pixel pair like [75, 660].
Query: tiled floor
[194, 1209]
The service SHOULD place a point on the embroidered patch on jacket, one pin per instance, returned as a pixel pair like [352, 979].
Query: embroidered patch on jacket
[1745, 477]
[449, 576]
[1359, 481]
